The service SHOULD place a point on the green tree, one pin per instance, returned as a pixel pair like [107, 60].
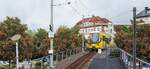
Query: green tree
[42, 43]
[124, 40]
[67, 38]
[123, 37]
[8, 28]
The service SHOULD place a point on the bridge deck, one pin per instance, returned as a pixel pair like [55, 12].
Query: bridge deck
[103, 61]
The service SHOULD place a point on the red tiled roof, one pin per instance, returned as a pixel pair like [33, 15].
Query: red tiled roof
[95, 19]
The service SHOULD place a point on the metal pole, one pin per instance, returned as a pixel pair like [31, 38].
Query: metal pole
[51, 35]
[17, 55]
[51, 55]
[134, 38]
[83, 43]
[107, 56]
[51, 15]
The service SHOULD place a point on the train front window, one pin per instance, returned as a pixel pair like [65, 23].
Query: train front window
[94, 37]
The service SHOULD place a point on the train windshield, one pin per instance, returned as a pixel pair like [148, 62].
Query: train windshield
[94, 37]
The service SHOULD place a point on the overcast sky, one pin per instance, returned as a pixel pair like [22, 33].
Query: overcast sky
[36, 13]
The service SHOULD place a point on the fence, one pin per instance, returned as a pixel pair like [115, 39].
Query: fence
[65, 58]
[128, 61]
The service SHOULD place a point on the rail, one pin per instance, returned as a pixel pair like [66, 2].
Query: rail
[79, 63]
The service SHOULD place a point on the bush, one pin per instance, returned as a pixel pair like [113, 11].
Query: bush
[38, 65]
[6, 67]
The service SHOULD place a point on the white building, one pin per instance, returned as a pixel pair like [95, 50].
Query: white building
[95, 24]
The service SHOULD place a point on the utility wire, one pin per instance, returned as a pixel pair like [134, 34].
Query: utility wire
[75, 10]
[121, 14]
[85, 6]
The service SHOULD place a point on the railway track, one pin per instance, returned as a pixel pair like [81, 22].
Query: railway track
[79, 63]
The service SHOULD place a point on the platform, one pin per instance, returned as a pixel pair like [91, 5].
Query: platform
[104, 61]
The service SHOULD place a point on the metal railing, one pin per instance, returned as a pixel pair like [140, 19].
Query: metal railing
[65, 54]
[61, 59]
[65, 58]
[128, 60]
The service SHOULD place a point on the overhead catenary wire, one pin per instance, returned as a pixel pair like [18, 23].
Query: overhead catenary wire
[69, 3]
[75, 10]
[84, 5]
[127, 12]
[74, 3]
[121, 14]
[124, 13]
[90, 11]
[114, 17]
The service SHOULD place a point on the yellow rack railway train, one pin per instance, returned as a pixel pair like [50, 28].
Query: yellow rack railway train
[99, 41]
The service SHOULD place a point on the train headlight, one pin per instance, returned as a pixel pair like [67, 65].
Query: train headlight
[94, 44]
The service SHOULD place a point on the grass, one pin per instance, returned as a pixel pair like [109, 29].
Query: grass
[38, 65]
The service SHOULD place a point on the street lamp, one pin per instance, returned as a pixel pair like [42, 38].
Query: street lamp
[16, 38]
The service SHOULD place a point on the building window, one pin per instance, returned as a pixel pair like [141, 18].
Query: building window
[82, 25]
[97, 29]
[85, 30]
[82, 31]
[88, 24]
[91, 29]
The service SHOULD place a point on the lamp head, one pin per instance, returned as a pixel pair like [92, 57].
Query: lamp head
[16, 37]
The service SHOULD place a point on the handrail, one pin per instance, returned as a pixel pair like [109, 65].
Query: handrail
[125, 52]
[143, 61]
[136, 57]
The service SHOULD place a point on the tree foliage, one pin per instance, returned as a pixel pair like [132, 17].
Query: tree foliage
[9, 28]
[42, 43]
[124, 39]
[33, 44]
[67, 38]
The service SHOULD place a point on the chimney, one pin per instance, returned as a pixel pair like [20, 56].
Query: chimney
[146, 8]
[93, 15]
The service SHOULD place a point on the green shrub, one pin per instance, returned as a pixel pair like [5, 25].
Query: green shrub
[38, 65]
